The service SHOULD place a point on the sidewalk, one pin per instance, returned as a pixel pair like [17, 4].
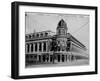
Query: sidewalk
[69, 63]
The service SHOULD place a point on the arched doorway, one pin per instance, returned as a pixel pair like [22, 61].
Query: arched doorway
[62, 58]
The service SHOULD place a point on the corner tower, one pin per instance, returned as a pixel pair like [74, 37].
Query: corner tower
[62, 28]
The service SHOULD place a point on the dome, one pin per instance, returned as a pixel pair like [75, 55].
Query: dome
[62, 24]
[62, 28]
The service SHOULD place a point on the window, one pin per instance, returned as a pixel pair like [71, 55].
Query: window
[44, 58]
[40, 46]
[51, 58]
[27, 56]
[44, 46]
[31, 47]
[41, 34]
[26, 37]
[37, 35]
[68, 39]
[59, 32]
[33, 35]
[27, 46]
[46, 34]
[39, 58]
[66, 57]
[29, 36]
[35, 46]
[68, 46]
[63, 31]
[31, 56]
[58, 58]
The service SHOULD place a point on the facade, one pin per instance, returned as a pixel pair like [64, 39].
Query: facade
[50, 47]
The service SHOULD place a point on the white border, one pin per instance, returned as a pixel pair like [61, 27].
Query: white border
[52, 70]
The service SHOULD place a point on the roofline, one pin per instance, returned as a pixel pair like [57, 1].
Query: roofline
[39, 38]
[72, 37]
[40, 32]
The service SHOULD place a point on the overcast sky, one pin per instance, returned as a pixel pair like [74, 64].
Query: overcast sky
[78, 25]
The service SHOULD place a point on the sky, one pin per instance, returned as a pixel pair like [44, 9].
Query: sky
[78, 24]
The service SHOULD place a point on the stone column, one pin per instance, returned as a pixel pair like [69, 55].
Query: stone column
[37, 47]
[42, 46]
[68, 58]
[29, 48]
[33, 47]
[49, 58]
[47, 46]
[64, 57]
[60, 57]
[70, 45]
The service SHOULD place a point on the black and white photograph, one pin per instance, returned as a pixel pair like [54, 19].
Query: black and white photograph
[50, 40]
[56, 39]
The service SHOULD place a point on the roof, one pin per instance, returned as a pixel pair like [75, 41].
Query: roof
[39, 35]
[62, 24]
[73, 39]
[41, 32]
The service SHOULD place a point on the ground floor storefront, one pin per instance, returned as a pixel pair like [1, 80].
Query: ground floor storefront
[48, 58]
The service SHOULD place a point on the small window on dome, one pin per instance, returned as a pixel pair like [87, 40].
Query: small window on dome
[46, 34]
[59, 32]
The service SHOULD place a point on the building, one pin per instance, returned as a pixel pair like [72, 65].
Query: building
[51, 47]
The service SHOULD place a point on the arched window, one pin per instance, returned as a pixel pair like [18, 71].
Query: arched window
[44, 58]
[40, 46]
[39, 58]
[44, 46]
[58, 58]
[31, 47]
[59, 32]
[35, 47]
[46, 34]
[28, 48]
[63, 31]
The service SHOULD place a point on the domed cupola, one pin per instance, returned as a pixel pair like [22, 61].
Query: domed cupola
[62, 28]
